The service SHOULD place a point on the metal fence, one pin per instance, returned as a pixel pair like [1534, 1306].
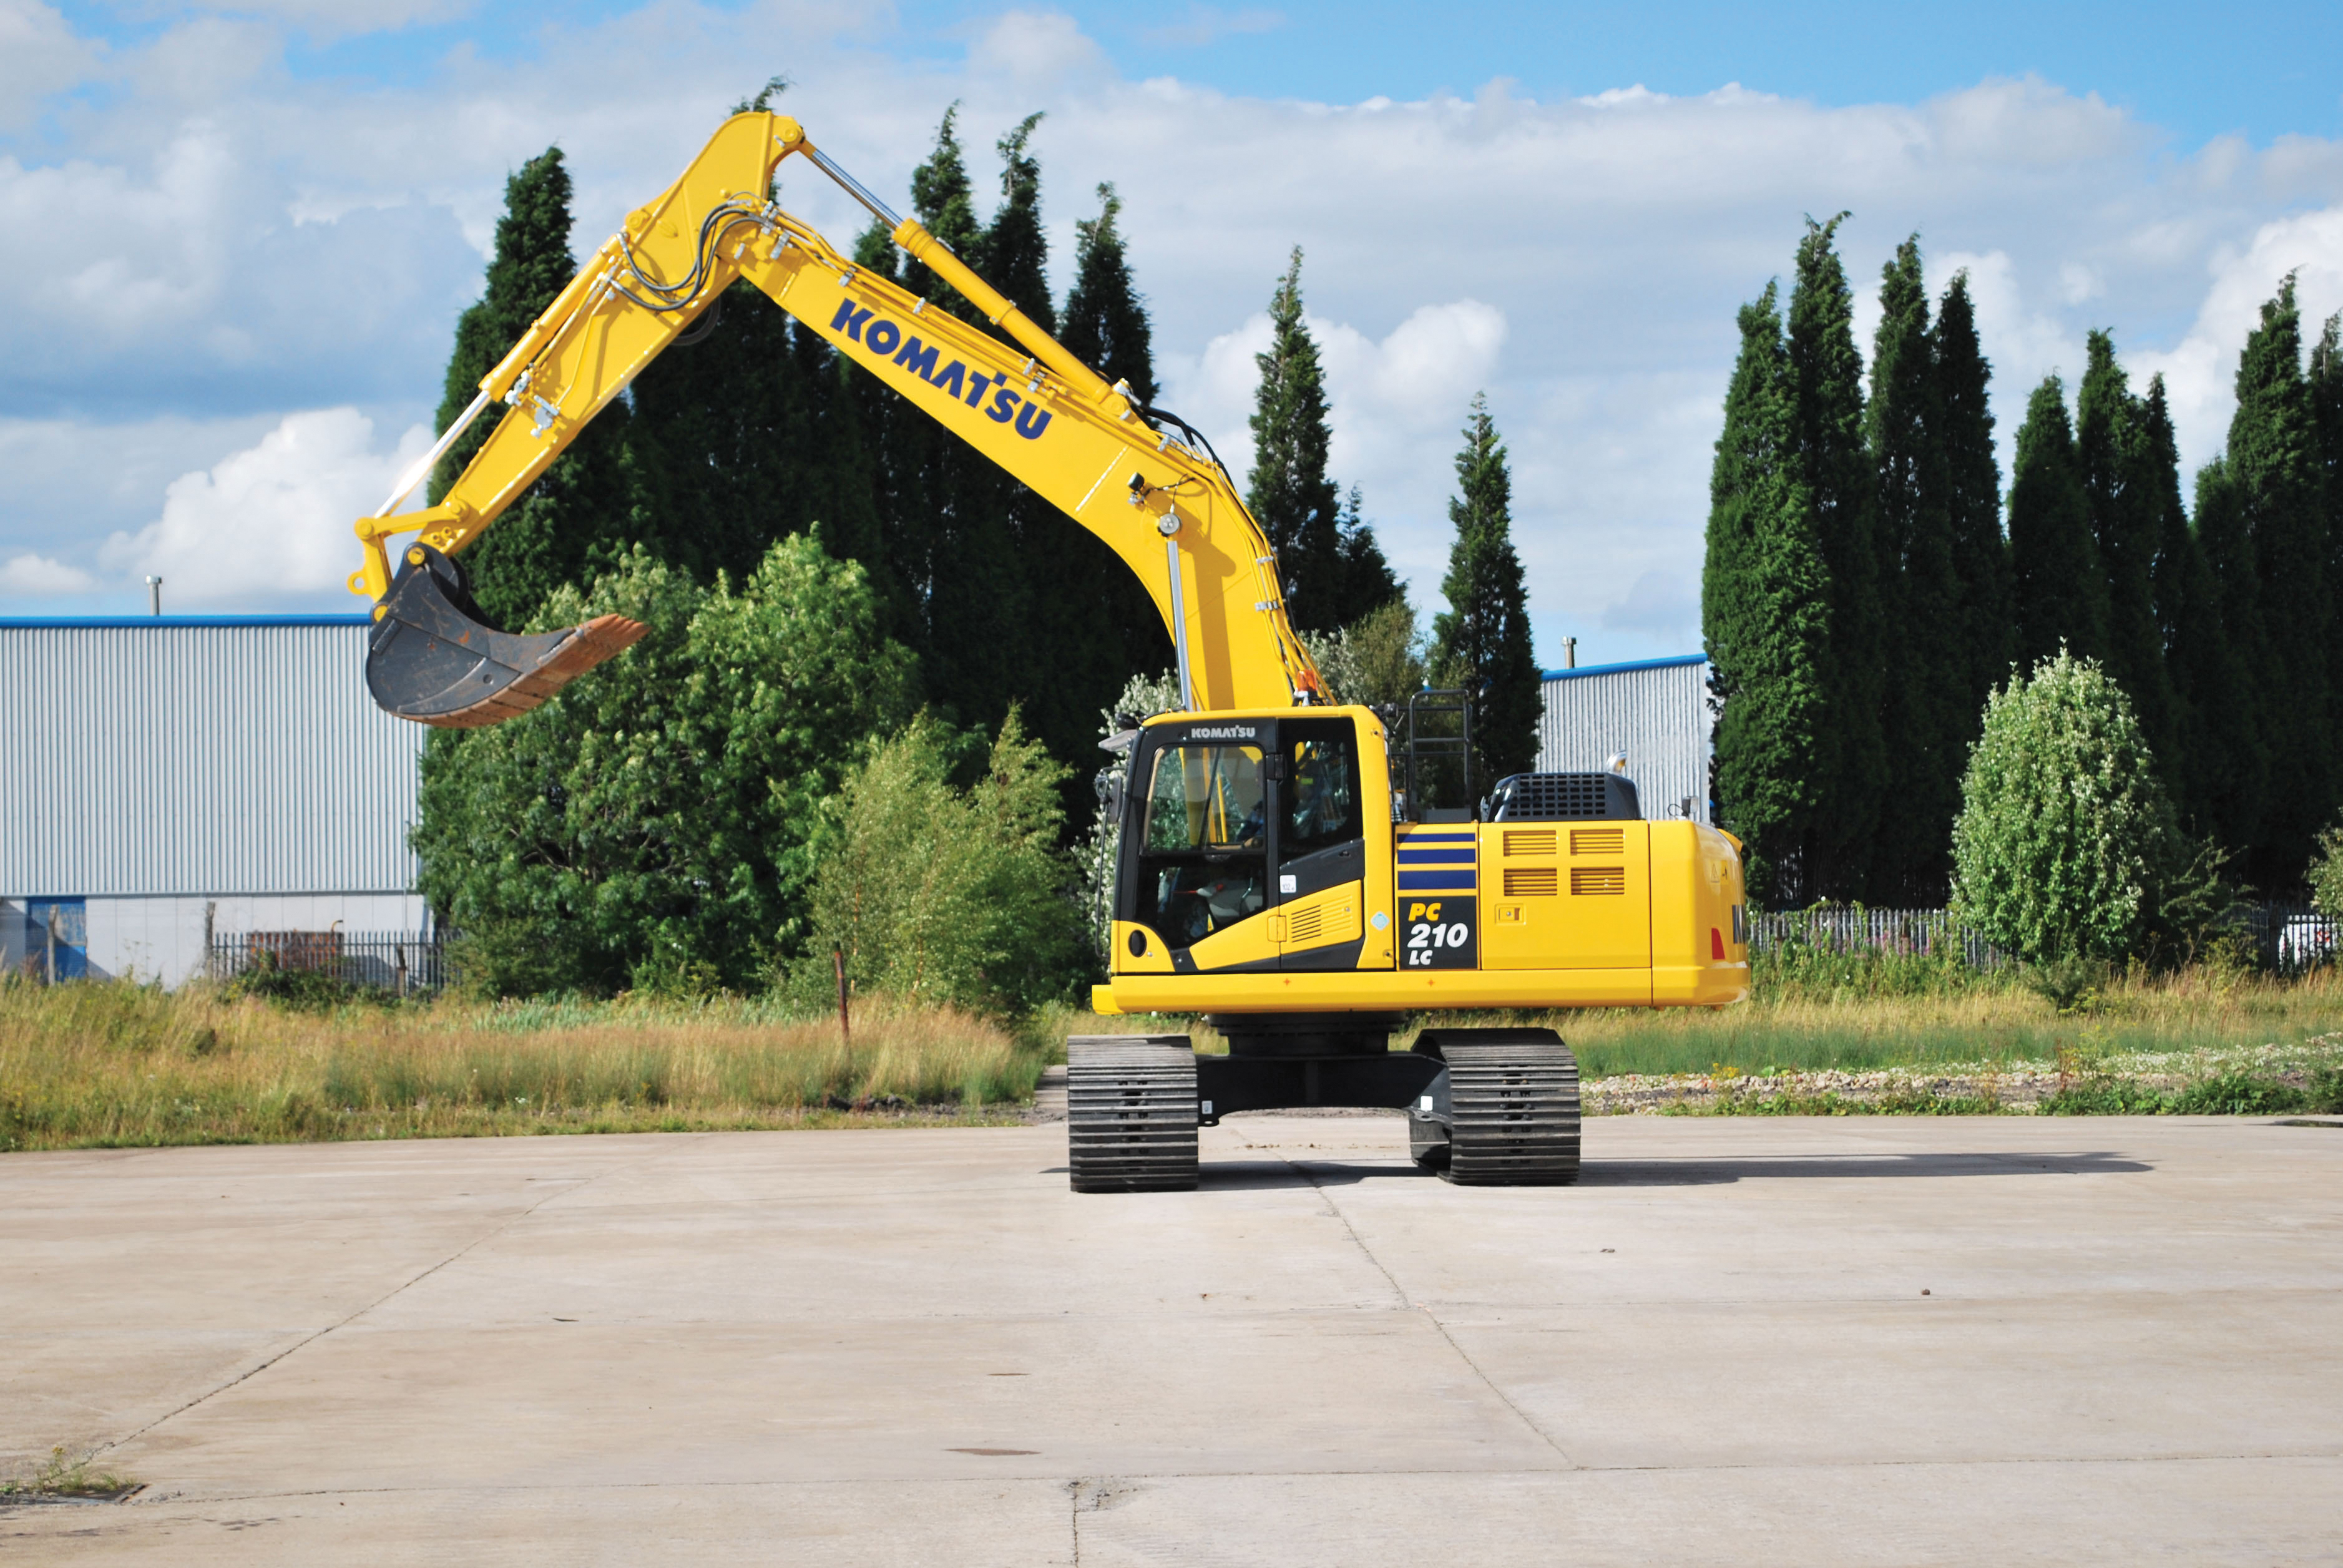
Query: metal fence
[2286, 938]
[405, 962]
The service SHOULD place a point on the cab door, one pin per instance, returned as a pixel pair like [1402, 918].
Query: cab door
[1199, 874]
[1319, 845]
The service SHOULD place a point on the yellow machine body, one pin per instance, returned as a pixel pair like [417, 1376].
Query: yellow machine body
[1560, 913]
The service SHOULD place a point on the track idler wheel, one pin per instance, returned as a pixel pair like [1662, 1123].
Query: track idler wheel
[1130, 1113]
[433, 659]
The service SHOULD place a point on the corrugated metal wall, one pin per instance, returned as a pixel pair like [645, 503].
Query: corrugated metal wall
[1655, 711]
[189, 755]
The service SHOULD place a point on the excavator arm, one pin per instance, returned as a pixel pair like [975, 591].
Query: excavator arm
[1139, 480]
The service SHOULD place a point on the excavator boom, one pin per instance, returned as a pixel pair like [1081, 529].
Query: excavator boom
[1137, 478]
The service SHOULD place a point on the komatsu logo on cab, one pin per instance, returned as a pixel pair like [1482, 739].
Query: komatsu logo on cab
[865, 326]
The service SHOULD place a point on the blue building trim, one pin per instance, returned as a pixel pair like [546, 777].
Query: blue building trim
[1612, 669]
[128, 622]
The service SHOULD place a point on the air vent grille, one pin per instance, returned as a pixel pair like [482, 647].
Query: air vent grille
[1530, 841]
[1558, 797]
[1532, 882]
[1598, 840]
[1597, 880]
[1306, 927]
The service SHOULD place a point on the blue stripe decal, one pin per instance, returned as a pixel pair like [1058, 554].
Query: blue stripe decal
[1437, 838]
[1435, 857]
[1436, 882]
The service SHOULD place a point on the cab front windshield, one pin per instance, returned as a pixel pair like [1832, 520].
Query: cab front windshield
[1206, 866]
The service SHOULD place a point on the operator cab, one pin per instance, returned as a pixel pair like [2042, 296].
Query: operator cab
[1230, 819]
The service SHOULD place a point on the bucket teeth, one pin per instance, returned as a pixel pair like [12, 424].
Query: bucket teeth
[433, 659]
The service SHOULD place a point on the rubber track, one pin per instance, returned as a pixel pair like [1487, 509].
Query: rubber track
[1515, 1105]
[1130, 1113]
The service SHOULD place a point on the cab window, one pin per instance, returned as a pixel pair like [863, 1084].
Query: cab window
[1203, 861]
[1321, 806]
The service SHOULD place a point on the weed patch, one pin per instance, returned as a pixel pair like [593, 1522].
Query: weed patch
[68, 1475]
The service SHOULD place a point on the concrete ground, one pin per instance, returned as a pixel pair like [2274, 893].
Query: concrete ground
[1736, 1342]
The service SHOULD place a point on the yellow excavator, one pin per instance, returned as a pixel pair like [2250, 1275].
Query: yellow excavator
[1283, 869]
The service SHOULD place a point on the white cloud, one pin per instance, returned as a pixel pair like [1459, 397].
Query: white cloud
[1204, 24]
[40, 57]
[40, 576]
[2200, 371]
[1386, 396]
[271, 521]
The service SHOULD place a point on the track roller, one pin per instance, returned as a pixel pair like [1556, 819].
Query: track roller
[1511, 1105]
[1130, 1113]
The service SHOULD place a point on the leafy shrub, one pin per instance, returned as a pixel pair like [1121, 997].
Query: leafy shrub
[653, 826]
[2326, 873]
[2064, 837]
[301, 990]
[938, 894]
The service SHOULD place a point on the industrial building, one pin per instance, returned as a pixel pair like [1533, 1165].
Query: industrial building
[1655, 712]
[176, 779]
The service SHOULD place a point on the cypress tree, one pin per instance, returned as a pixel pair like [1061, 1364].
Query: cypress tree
[1290, 496]
[1923, 727]
[2326, 382]
[1827, 379]
[1482, 643]
[1368, 584]
[2060, 586]
[1982, 612]
[1106, 326]
[1765, 599]
[2235, 802]
[1068, 662]
[2213, 739]
[2120, 491]
[575, 519]
[2277, 465]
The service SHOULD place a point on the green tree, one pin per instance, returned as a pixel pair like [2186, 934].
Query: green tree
[575, 519]
[2216, 744]
[2061, 585]
[1367, 580]
[1378, 659]
[1106, 325]
[1290, 497]
[2326, 873]
[1765, 617]
[1482, 641]
[2065, 836]
[2120, 489]
[1842, 489]
[2277, 465]
[1924, 720]
[653, 827]
[2235, 781]
[940, 894]
[1983, 616]
[2326, 381]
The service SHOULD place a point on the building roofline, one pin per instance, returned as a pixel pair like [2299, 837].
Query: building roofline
[114, 622]
[1675, 663]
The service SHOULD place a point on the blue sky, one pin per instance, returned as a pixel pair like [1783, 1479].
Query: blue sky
[242, 234]
[2197, 71]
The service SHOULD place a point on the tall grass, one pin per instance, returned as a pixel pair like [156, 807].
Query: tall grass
[1850, 1014]
[112, 1064]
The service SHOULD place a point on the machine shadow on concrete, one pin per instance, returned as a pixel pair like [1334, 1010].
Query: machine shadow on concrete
[1267, 1175]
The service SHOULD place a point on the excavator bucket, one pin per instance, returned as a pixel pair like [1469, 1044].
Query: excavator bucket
[433, 660]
